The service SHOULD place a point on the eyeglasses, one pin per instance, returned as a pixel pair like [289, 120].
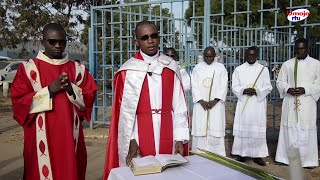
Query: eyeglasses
[53, 42]
[170, 55]
[146, 37]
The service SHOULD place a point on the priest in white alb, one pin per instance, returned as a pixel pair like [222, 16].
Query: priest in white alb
[149, 113]
[299, 85]
[251, 84]
[209, 82]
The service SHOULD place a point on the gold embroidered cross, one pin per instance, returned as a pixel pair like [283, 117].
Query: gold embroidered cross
[297, 105]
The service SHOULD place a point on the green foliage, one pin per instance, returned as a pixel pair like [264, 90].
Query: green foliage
[254, 18]
[124, 25]
[22, 20]
[241, 167]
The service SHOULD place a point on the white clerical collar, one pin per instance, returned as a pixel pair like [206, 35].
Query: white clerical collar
[304, 58]
[149, 59]
[254, 64]
[45, 58]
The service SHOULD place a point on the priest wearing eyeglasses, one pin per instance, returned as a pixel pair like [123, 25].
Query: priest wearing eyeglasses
[50, 96]
[149, 114]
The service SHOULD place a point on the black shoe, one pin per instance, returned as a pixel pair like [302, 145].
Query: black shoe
[241, 159]
[259, 161]
[281, 164]
[311, 167]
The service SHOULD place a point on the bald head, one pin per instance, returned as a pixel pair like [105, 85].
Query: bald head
[251, 54]
[52, 27]
[209, 54]
[209, 48]
[143, 23]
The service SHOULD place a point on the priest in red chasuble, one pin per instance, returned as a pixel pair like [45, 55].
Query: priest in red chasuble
[149, 114]
[51, 95]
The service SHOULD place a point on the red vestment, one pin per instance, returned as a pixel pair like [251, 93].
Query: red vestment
[143, 113]
[66, 164]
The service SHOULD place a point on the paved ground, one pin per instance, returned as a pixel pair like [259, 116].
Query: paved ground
[11, 146]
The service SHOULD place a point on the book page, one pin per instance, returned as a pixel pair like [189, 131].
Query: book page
[171, 159]
[146, 161]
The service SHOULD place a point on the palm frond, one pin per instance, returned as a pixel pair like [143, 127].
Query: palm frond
[241, 167]
[208, 112]
[296, 85]
[254, 84]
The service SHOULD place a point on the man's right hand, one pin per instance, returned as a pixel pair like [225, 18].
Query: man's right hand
[203, 104]
[291, 91]
[59, 84]
[134, 150]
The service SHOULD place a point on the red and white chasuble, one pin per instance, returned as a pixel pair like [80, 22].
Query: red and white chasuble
[134, 114]
[54, 146]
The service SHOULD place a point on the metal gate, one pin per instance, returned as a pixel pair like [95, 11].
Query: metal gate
[229, 30]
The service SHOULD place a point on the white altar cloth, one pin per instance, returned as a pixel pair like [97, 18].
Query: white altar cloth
[198, 168]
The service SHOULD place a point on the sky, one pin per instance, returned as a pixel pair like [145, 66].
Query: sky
[176, 10]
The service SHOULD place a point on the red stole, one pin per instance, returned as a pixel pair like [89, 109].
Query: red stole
[144, 117]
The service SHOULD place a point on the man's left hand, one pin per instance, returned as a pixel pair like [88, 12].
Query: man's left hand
[250, 92]
[179, 148]
[299, 91]
[212, 103]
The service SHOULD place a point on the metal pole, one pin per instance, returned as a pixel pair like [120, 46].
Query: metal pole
[206, 24]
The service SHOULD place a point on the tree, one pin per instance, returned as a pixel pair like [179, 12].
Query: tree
[23, 20]
[125, 31]
[254, 18]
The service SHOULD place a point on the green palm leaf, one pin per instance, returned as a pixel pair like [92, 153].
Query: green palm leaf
[254, 84]
[295, 85]
[208, 112]
[241, 167]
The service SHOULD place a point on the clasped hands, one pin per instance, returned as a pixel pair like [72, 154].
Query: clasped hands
[134, 150]
[249, 91]
[208, 105]
[62, 83]
[296, 91]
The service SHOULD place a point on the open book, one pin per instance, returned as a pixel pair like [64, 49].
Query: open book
[155, 164]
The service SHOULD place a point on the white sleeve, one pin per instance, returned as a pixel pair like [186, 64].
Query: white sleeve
[237, 89]
[180, 115]
[196, 93]
[266, 87]
[223, 90]
[282, 81]
[41, 101]
[134, 130]
[185, 80]
[314, 89]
